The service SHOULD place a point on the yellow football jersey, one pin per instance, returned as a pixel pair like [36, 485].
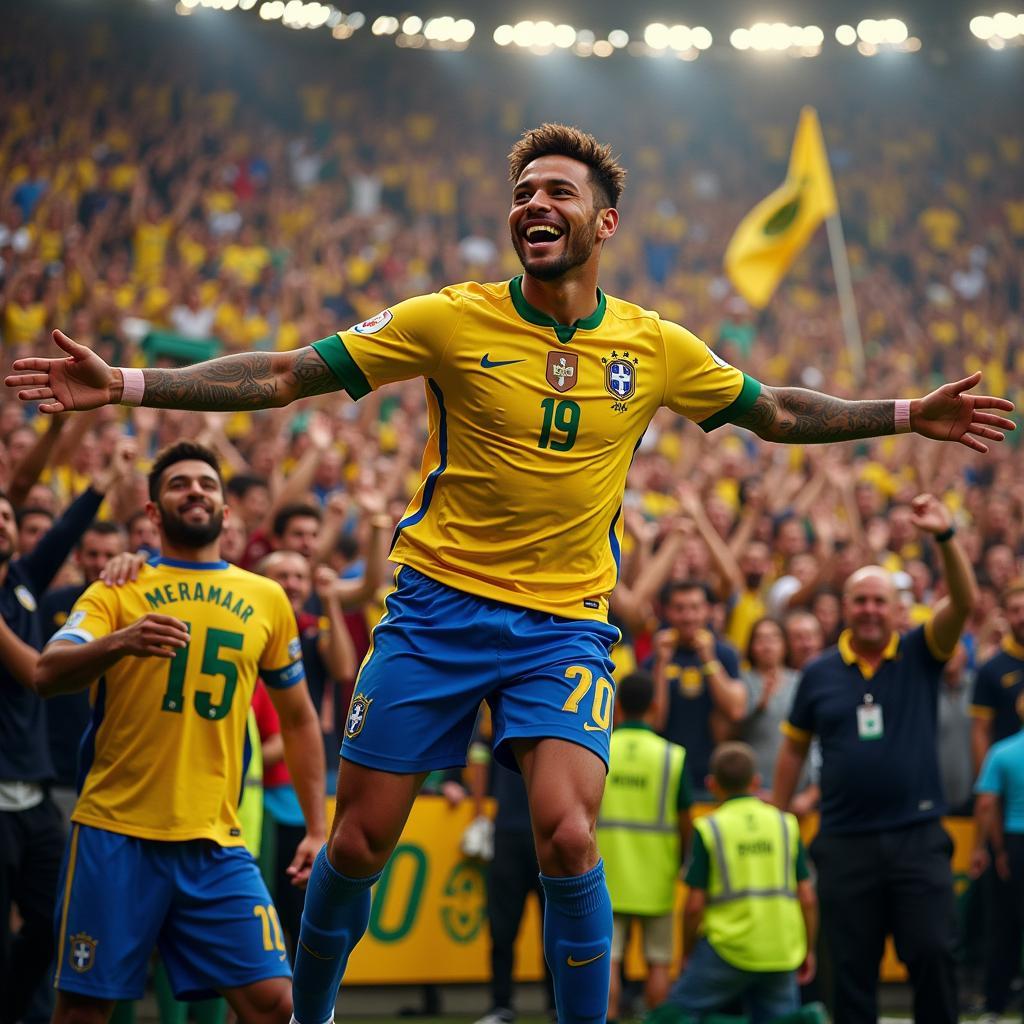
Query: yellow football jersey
[533, 425]
[163, 757]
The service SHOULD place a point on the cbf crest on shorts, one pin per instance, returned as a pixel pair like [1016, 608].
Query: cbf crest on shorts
[83, 952]
[357, 712]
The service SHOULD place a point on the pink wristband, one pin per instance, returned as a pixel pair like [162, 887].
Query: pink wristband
[133, 387]
[901, 415]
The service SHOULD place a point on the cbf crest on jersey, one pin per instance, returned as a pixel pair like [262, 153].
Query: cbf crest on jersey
[83, 952]
[375, 323]
[562, 370]
[620, 378]
[357, 712]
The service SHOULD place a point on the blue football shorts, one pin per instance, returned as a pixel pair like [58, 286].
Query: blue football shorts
[203, 906]
[437, 653]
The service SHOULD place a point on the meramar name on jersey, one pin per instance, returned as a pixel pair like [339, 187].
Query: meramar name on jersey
[195, 591]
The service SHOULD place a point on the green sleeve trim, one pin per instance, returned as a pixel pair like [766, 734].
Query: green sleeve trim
[699, 871]
[740, 404]
[333, 352]
[802, 870]
[684, 798]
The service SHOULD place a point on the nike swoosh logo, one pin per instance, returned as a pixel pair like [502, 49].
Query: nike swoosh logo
[488, 365]
[313, 952]
[573, 962]
[587, 727]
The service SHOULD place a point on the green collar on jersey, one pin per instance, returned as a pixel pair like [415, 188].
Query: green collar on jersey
[563, 332]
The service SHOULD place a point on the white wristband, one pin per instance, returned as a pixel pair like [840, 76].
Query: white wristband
[133, 387]
[901, 415]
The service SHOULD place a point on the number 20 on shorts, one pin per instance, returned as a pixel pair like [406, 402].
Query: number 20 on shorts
[604, 697]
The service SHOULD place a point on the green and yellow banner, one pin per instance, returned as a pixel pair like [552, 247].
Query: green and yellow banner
[428, 921]
[775, 232]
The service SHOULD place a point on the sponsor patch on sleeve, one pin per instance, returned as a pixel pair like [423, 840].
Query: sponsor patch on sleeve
[374, 324]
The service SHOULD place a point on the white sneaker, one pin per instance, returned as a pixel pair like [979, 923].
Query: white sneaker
[478, 841]
[499, 1015]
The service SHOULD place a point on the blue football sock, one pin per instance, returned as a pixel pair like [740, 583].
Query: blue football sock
[333, 920]
[577, 944]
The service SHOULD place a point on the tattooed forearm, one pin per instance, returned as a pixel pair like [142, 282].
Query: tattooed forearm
[797, 416]
[310, 375]
[253, 380]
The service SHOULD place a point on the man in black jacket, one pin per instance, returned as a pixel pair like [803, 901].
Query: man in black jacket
[31, 826]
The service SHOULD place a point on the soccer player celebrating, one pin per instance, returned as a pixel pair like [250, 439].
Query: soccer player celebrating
[156, 854]
[539, 389]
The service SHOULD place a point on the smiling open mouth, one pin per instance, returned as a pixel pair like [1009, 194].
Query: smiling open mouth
[543, 234]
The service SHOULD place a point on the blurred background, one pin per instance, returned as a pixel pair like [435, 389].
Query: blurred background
[179, 180]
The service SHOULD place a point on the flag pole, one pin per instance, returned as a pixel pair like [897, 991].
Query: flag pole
[844, 288]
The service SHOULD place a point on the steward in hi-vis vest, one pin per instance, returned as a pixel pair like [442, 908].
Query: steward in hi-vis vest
[642, 832]
[751, 913]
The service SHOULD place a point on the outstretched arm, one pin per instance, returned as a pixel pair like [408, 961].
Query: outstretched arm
[798, 416]
[250, 380]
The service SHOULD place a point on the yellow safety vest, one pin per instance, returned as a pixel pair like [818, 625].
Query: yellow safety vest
[250, 809]
[753, 918]
[637, 829]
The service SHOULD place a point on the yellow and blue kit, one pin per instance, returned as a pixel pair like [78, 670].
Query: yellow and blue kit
[156, 854]
[532, 428]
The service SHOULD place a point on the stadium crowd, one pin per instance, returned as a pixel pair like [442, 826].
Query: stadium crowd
[161, 218]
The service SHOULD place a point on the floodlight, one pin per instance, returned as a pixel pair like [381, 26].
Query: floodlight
[656, 36]
[522, 34]
[565, 36]
[679, 37]
[1005, 25]
[895, 31]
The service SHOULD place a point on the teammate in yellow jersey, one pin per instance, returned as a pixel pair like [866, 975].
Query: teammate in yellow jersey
[539, 390]
[156, 854]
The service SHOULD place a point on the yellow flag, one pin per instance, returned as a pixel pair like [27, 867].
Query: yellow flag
[775, 231]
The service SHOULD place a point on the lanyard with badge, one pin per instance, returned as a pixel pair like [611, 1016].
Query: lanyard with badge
[869, 719]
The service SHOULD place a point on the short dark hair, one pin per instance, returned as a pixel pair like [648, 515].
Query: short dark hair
[104, 528]
[347, 547]
[607, 175]
[674, 587]
[732, 766]
[242, 483]
[635, 693]
[298, 510]
[180, 451]
[21, 514]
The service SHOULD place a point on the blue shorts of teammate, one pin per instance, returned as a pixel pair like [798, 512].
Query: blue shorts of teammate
[203, 906]
[437, 653]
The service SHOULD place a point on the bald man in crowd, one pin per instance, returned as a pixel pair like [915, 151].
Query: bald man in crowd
[882, 856]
